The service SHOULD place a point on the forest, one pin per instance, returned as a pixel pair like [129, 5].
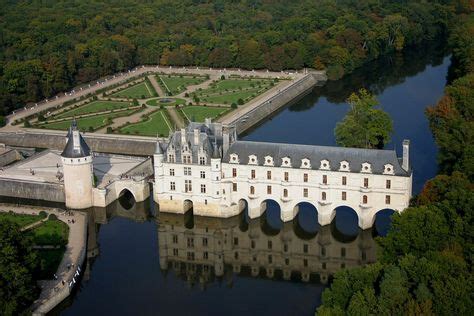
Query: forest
[426, 260]
[50, 46]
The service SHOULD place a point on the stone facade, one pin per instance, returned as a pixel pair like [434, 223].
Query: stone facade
[205, 167]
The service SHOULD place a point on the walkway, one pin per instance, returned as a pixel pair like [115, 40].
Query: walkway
[134, 118]
[54, 292]
[157, 87]
[175, 117]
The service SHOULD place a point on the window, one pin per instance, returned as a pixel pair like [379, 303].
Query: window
[285, 192]
[191, 256]
[170, 158]
[323, 251]
[343, 252]
[364, 199]
[270, 245]
[286, 175]
[285, 247]
[236, 241]
[202, 160]
[344, 180]
[187, 171]
[323, 196]
[175, 239]
[305, 177]
[252, 174]
[204, 241]
[269, 175]
[190, 242]
[305, 248]
[205, 255]
[203, 188]
[305, 262]
[236, 255]
[269, 189]
[366, 182]
[171, 172]
[323, 265]
[203, 174]
[175, 252]
[234, 187]
[172, 186]
[387, 199]
[187, 159]
[325, 179]
[344, 196]
[234, 172]
[388, 184]
[287, 261]
[270, 259]
[252, 190]
[252, 244]
[188, 186]
[305, 192]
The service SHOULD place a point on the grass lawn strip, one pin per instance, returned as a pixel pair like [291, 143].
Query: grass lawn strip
[52, 232]
[156, 102]
[229, 98]
[178, 84]
[149, 91]
[166, 120]
[95, 106]
[200, 113]
[156, 124]
[21, 219]
[137, 91]
[164, 83]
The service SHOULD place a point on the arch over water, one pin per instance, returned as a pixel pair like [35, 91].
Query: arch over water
[188, 214]
[270, 220]
[305, 223]
[383, 221]
[126, 199]
[346, 220]
[244, 218]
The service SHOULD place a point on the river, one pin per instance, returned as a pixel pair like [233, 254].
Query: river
[143, 263]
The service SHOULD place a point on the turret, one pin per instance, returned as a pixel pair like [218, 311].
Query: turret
[406, 155]
[78, 170]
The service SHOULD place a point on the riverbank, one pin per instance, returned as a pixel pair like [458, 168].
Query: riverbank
[54, 292]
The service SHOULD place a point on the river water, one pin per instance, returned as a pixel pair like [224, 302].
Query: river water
[143, 263]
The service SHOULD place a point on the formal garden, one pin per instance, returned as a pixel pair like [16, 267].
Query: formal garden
[153, 104]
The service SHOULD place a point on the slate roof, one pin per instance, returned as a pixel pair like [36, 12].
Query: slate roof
[72, 151]
[354, 156]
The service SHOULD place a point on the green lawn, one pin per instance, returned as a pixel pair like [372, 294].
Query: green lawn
[231, 90]
[155, 125]
[230, 97]
[21, 219]
[178, 84]
[200, 113]
[142, 90]
[49, 262]
[85, 123]
[93, 107]
[156, 102]
[52, 232]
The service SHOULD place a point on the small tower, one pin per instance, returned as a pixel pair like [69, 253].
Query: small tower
[77, 168]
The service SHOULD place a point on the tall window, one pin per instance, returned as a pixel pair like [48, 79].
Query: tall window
[187, 159]
[323, 196]
[269, 189]
[344, 196]
[252, 190]
[234, 172]
[172, 186]
[187, 171]
[172, 172]
[202, 160]
[285, 192]
[388, 184]
[287, 176]
[305, 177]
[203, 174]
[269, 175]
[366, 182]
[203, 188]
[188, 186]
[387, 199]
[234, 187]
[325, 179]
[364, 199]
[305, 192]
[344, 180]
[204, 241]
[171, 158]
[252, 174]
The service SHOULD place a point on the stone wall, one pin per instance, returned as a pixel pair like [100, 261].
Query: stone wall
[8, 157]
[32, 190]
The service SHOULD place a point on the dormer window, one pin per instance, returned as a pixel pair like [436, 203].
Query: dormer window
[343, 166]
[286, 162]
[268, 161]
[388, 169]
[305, 163]
[366, 167]
[253, 160]
[324, 165]
[234, 158]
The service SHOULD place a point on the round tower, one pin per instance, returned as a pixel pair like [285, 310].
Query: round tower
[77, 168]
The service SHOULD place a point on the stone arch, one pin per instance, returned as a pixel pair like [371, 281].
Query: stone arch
[187, 205]
[243, 215]
[270, 221]
[305, 223]
[381, 221]
[346, 219]
[126, 199]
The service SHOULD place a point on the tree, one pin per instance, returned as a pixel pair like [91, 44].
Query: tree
[363, 126]
[17, 264]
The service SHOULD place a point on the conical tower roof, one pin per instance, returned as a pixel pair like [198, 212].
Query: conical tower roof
[76, 146]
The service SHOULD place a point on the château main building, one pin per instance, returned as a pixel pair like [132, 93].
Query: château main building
[205, 167]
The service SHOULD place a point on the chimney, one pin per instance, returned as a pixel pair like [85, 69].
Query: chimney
[207, 122]
[183, 136]
[406, 155]
[196, 137]
[225, 139]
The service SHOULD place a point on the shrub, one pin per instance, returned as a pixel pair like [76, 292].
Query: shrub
[27, 124]
[186, 95]
[90, 129]
[52, 217]
[233, 105]
[43, 214]
[240, 101]
[109, 130]
[222, 77]
[162, 106]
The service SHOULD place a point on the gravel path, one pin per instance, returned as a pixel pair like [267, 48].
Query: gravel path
[157, 87]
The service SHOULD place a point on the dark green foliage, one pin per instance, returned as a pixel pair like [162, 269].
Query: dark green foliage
[233, 105]
[240, 101]
[363, 126]
[17, 265]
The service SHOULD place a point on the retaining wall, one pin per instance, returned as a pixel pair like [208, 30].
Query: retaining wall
[32, 190]
[8, 157]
